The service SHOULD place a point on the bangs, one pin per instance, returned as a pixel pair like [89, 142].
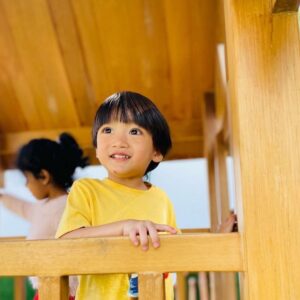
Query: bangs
[129, 111]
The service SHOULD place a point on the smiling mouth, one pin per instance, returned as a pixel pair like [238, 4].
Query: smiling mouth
[120, 156]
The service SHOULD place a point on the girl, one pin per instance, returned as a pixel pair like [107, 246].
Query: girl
[48, 167]
[131, 138]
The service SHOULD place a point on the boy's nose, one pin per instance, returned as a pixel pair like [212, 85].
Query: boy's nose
[120, 141]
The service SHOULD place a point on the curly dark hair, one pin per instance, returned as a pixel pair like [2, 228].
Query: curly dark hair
[60, 158]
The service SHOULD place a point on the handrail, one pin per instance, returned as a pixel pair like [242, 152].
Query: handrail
[185, 252]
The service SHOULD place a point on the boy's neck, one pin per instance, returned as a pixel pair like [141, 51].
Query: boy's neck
[135, 183]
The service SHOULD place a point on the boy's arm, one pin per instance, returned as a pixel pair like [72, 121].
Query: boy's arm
[20, 207]
[137, 230]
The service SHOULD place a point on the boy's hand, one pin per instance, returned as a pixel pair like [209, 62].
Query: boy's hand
[138, 232]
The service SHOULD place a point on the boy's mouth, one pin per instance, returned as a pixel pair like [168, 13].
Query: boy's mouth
[120, 156]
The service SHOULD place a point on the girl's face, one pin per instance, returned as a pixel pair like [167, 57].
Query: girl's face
[36, 186]
[125, 150]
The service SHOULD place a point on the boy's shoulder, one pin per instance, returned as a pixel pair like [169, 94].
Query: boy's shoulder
[87, 183]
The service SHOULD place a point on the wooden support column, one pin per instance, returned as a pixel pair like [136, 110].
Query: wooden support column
[53, 288]
[19, 288]
[1, 172]
[264, 80]
[181, 286]
[151, 286]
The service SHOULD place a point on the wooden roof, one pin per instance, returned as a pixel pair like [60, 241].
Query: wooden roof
[59, 59]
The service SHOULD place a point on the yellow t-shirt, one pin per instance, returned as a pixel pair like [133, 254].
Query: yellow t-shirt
[93, 202]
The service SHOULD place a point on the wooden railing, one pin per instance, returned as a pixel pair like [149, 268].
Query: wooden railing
[53, 260]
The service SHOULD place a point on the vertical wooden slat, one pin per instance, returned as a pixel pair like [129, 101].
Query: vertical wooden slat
[203, 286]
[264, 71]
[192, 291]
[151, 286]
[1, 171]
[181, 286]
[19, 288]
[51, 288]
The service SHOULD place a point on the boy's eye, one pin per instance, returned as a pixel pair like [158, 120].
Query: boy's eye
[106, 130]
[135, 131]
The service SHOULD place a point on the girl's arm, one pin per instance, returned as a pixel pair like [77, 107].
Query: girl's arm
[229, 224]
[137, 230]
[20, 207]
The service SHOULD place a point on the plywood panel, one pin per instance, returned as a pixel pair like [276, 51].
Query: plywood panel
[37, 49]
[74, 60]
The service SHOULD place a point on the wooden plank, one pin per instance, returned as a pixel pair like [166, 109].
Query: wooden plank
[1, 172]
[151, 286]
[53, 288]
[182, 132]
[203, 286]
[180, 291]
[213, 199]
[221, 177]
[264, 71]
[19, 288]
[186, 136]
[286, 6]
[18, 110]
[35, 39]
[203, 252]
[73, 58]
[11, 142]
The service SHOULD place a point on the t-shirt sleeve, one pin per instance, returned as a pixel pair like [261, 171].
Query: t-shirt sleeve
[77, 213]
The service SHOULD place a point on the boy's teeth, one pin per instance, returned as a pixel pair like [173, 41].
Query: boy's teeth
[120, 156]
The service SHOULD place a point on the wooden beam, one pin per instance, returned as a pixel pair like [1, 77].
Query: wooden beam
[187, 140]
[286, 6]
[218, 252]
[264, 70]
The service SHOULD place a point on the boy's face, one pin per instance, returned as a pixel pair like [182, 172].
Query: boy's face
[125, 150]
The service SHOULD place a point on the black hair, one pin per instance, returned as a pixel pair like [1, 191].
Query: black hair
[133, 107]
[60, 159]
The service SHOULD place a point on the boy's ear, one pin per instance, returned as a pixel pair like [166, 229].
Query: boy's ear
[157, 157]
[44, 177]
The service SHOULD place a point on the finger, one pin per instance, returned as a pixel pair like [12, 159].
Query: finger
[143, 237]
[152, 231]
[166, 228]
[133, 237]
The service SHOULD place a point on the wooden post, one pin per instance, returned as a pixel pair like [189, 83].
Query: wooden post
[1, 172]
[19, 288]
[53, 288]
[151, 286]
[181, 286]
[264, 71]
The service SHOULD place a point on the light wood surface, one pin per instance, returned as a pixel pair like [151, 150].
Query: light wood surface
[60, 59]
[51, 288]
[264, 71]
[202, 252]
[151, 286]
